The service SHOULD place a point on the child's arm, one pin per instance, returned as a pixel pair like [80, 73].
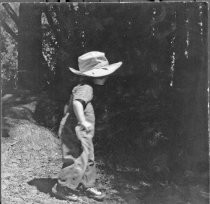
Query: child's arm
[79, 112]
[66, 109]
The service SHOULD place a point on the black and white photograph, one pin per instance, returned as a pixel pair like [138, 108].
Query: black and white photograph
[104, 103]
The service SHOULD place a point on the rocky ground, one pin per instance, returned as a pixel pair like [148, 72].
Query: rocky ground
[31, 159]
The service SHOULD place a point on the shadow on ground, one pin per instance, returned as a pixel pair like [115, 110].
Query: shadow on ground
[43, 184]
[133, 187]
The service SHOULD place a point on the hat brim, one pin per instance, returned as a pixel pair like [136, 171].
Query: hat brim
[99, 72]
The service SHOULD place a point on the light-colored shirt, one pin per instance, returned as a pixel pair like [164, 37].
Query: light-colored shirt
[84, 92]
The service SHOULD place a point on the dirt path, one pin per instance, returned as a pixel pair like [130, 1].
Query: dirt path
[31, 161]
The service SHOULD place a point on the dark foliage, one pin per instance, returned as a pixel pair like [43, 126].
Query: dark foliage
[153, 111]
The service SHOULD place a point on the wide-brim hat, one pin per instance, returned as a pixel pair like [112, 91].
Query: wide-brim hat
[95, 64]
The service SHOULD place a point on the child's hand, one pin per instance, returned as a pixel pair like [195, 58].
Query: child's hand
[86, 126]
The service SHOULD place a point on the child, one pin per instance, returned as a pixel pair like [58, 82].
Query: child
[77, 130]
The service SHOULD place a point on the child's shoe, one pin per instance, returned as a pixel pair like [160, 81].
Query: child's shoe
[64, 193]
[95, 194]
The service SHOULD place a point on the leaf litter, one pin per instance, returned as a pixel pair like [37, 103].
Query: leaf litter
[32, 160]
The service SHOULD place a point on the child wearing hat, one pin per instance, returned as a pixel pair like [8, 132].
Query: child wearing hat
[77, 130]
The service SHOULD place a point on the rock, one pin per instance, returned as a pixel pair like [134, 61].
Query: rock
[20, 106]
[18, 97]
[19, 112]
[12, 116]
[30, 106]
[7, 97]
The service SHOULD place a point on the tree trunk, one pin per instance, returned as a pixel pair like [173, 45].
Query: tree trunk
[198, 123]
[190, 89]
[30, 47]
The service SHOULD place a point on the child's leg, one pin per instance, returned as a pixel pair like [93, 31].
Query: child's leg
[75, 164]
[72, 171]
[89, 177]
[82, 170]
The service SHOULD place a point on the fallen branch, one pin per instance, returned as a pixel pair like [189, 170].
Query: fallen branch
[9, 30]
[11, 12]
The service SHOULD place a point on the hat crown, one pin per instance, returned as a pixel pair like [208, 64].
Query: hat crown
[92, 60]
